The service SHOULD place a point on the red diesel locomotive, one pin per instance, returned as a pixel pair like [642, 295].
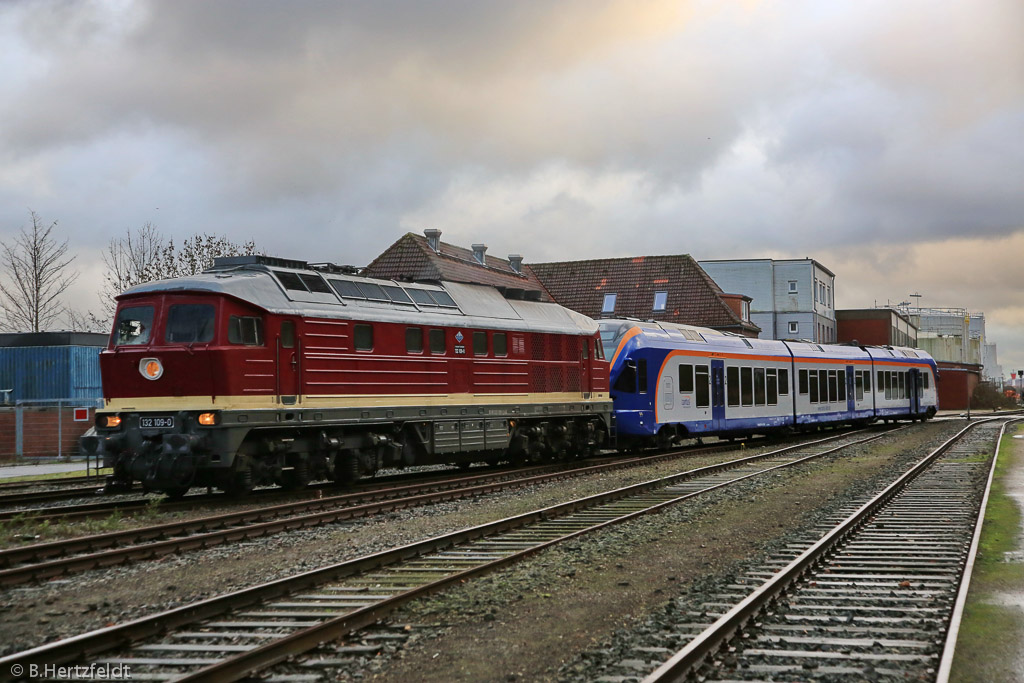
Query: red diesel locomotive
[268, 371]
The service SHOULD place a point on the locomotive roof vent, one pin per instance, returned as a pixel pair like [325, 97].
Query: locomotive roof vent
[479, 253]
[433, 236]
[258, 259]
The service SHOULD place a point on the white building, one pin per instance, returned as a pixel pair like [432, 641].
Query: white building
[791, 298]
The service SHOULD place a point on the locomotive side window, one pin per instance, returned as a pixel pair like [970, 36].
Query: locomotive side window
[747, 386]
[287, 335]
[362, 337]
[783, 382]
[599, 348]
[759, 387]
[685, 378]
[437, 345]
[189, 324]
[479, 343]
[703, 386]
[414, 339]
[732, 381]
[246, 330]
[133, 326]
[500, 342]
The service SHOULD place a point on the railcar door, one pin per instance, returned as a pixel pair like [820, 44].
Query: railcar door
[288, 361]
[913, 390]
[718, 394]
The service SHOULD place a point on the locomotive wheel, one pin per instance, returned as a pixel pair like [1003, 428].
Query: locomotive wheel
[346, 468]
[240, 483]
[176, 492]
[296, 478]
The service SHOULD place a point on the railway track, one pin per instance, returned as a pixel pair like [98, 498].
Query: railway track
[870, 599]
[234, 635]
[39, 561]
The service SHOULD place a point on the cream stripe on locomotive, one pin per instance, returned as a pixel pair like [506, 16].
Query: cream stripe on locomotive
[201, 403]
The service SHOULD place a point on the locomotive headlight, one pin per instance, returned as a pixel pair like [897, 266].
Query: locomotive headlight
[151, 368]
[112, 421]
[207, 419]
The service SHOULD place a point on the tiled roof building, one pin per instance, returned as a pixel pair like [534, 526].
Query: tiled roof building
[426, 257]
[671, 288]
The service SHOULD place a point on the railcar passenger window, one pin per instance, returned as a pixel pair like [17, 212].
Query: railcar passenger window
[362, 337]
[924, 377]
[841, 380]
[773, 386]
[500, 342]
[685, 378]
[246, 330]
[703, 386]
[823, 395]
[133, 326]
[437, 344]
[732, 381]
[747, 386]
[867, 381]
[189, 324]
[414, 339]
[641, 375]
[287, 335]
[803, 381]
[783, 382]
[902, 376]
[759, 387]
[813, 386]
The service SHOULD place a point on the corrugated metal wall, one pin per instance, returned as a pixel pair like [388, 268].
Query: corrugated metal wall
[50, 372]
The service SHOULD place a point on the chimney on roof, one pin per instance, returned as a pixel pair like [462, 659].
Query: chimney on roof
[516, 262]
[433, 236]
[479, 252]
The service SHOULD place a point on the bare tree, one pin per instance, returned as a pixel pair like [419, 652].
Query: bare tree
[146, 255]
[37, 276]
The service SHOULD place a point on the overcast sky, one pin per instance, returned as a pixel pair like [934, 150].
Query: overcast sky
[885, 139]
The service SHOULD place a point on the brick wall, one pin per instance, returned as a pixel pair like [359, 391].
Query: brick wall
[40, 430]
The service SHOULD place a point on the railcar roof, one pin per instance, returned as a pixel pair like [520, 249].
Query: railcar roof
[287, 288]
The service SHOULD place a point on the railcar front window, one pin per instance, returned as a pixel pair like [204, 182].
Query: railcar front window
[189, 324]
[133, 326]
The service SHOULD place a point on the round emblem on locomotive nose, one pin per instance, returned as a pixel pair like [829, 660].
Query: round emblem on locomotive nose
[459, 337]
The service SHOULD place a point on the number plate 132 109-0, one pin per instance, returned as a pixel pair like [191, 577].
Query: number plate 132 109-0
[156, 422]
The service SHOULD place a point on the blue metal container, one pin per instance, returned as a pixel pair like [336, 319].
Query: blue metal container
[49, 372]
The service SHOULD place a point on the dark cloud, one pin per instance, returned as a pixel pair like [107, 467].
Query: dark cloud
[552, 129]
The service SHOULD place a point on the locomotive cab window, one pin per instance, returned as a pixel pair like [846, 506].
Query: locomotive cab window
[133, 326]
[437, 345]
[414, 339]
[247, 330]
[500, 342]
[362, 337]
[189, 324]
